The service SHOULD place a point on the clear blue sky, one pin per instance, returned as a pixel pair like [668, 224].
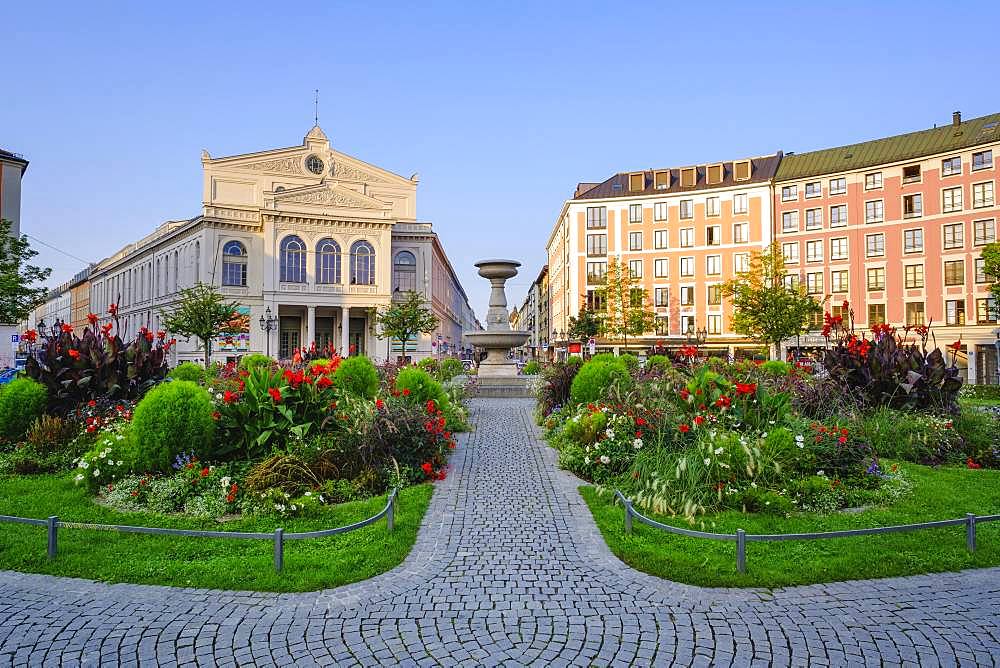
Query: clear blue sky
[502, 108]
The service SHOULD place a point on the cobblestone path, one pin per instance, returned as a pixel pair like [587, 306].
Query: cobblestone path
[509, 569]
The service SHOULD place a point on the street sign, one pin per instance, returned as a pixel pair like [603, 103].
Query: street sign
[15, 338]
[592, 346]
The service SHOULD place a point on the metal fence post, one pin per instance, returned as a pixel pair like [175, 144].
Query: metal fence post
[279, 549]
[741, 550]
[390, 515]
[53, 524]
[970, 532]
[628, 516]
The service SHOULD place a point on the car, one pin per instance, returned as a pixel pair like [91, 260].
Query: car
[7, 375]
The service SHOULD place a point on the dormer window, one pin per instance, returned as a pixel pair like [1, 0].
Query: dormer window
[689, 177]
[661, 180]
[713, 174]
[742, 170]
[636, 182]
[911, 174]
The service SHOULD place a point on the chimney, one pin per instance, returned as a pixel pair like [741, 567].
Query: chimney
[956, 118]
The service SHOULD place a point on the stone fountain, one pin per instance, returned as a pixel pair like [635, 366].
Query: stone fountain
[498, 338]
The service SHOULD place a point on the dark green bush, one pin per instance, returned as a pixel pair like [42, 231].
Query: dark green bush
[171, 418]
[532, 368]
[596, 377]
[776, 367]
[574, 361]
[21, 403]
[658, 363]
[357, 376]
[255, 360]
[450, 368]
[422, 387]
[630, 361]
[188, 371]
[980, 432]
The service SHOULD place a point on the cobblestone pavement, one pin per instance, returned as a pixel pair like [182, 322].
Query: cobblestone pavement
[509, 569]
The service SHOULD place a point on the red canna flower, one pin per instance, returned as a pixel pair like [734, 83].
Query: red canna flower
[842, 440]
[379, 404]
[684, 428]
[324, 382]
[431, 406]
[216, 415]
[406, 392]
[230, 397]
[746, 388]
[67, 328]
[113, 309]
[30, 336]
[699, 420]
[161, 335]
[427, 468]
[92, 318]
[955, 346]
[205, 472]
[75, 354]
[275, 394]
[971, 463]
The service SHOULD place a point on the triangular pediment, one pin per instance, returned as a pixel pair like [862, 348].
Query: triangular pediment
[328, 195]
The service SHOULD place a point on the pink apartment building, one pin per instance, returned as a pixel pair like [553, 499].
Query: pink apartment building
[895, 227]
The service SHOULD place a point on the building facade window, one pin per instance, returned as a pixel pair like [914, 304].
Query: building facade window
[790, 252]
[597, 217]
[913, 205]
[984, 232]
[714, 295]
[814, 219]
[713, 235]
[874, 211]
[635, 213]
[662, 325]
[741, 233]
[712, 206]
[635, 268]
[982, 195]
[838, 280]
[741, 262]
[915, 314]
[790, 221]
[876, 314]
[911, 174]
[713, 265]
[687, 209]
[661, 268]
[913, 241]
[982, 160]
[873, 181]
[814, 250]
[362, 263]
[790, 281]
[913, 276]
[954, 235]
[713, 323]
[660, 211]
[740, 203]
[814, 189]
[635, 241]
[876, 278]
[596, 271]
[596, 300]
[687, 237]
[838, 215]
[661, 297]
[838, 248]
[597, 244]
[660, 239]
[687, 266]
[951, 199]
[874, 245]
[687, 295]
[789, 193]
[954, 272]
[954, 312]
[980, 267]
[234, 264]
[814, 283]
[404, 272]
[293, 260]
[328, 261]
[951, 166]
[838, 186]
[986, 311]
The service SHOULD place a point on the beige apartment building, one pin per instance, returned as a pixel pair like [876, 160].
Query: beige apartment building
[314, 238]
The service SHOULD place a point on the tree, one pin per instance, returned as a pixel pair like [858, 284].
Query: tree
[403, 319]
[18, 297]
[586, 325]
[991, 267]
[626, 303]
[202, 312]
[765, 309]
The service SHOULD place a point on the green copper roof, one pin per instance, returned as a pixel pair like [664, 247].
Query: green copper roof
[944, 139]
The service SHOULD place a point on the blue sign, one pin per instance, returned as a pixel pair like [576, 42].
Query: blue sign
[15, 338]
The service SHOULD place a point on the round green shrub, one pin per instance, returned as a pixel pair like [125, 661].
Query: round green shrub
[630, 361]
[249, 362]
[532, 368]
[450, 367]
[188, 371]
[776, 368]
[22, 401]
[172, 417]
[596, 376]
[357, 376]
[422, 387]
[573, 360]
[658, 363]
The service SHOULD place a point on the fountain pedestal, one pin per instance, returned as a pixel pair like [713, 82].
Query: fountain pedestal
[498, 338]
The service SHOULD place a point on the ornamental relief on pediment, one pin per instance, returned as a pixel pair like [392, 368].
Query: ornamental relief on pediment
[292, 165]
[349, 173]
[331, 196]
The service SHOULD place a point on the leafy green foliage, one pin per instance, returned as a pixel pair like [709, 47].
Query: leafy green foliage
[202, 312]
[419, 386]
[658, 363]
[19, 289]
[188, 371]
[405, 318]
[596, 376]
[450, 367]
[21, 403]
[172, 417]
[532, 368]
[357, 376]
[587, 324]
[255, 360]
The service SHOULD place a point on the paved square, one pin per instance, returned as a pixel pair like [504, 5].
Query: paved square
[509, 569]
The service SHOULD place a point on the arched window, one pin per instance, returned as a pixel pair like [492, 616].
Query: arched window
[404, 272]
[362, 263]
[293, 260]
[327, 261]
[234, 264]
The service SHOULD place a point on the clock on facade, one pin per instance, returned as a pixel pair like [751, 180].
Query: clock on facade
[314, 164]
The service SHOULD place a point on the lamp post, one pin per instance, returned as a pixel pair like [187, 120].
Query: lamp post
[696, 337]
[997, 345]
[268, 323]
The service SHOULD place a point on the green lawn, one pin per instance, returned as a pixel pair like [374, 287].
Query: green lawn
[943, 493]
[200, 562]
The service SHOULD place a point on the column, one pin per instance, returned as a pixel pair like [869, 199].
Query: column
[310, 327]
[345, 334]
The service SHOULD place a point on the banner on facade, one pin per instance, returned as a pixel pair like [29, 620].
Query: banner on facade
[239, 340]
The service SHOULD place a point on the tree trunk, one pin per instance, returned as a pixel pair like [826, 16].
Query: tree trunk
[403, 360]
[208, 351]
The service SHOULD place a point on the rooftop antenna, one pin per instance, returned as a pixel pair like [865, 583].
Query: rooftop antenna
[316, 108]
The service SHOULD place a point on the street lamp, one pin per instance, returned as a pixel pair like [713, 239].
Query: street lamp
[267, 324]
[997, 345]
[696, 337]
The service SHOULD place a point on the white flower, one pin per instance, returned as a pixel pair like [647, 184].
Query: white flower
[770, 421]
[586, 460]
[609, 433]
[719, 451]
[605, 459]
[293, 507]
[84, 464]
[821, 472]
[225, 481]
[218, 396]
[279, 507]
[79, 477]
[724, 465]
[120, 462]
[764, 435]
[321, 499]
[97, 472]
[637, 443]
[120, 437]
[799, 438]
[308, 494]
[754, 485]
[707, 461]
